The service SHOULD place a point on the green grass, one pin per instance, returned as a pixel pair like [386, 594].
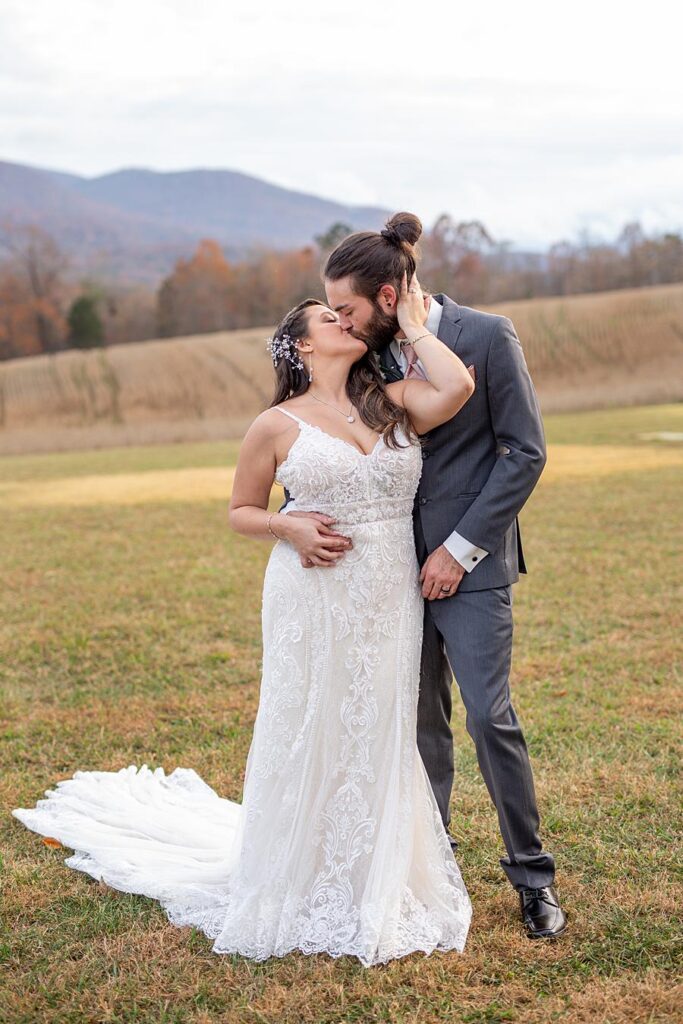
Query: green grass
[131, 634]
[117, 460]
[614, 426]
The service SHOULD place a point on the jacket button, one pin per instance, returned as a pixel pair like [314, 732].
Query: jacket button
[425, 455]
[423, 501]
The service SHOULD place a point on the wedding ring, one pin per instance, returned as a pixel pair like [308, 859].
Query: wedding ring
[445, 589]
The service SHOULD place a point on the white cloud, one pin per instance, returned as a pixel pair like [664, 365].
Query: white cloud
[537, 119]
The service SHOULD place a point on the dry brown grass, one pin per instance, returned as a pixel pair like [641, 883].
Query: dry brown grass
[207, 386]
[584, 352]
[609, 349]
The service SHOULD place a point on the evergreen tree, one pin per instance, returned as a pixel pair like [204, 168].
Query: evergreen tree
[333, 236]
[85, 325]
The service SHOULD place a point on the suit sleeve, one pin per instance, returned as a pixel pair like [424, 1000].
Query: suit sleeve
[520, 442]
[289, 501]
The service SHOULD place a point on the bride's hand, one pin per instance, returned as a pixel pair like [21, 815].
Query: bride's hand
[410, 309]
[311, 534]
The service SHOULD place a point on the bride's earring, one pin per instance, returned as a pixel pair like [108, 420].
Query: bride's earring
[310, 370]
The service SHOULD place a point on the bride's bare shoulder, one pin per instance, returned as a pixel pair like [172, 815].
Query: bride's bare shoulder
[268, 425]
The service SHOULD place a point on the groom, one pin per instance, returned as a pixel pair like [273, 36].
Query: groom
[479, 469]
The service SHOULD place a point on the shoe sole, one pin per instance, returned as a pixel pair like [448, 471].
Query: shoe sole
[546, 935]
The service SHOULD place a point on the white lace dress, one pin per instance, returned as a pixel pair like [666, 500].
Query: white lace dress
[338, 845]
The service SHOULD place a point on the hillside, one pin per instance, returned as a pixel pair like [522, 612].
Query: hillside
[584, 352]
[133, 224]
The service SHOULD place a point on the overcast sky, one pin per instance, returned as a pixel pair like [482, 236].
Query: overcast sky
[543, 120]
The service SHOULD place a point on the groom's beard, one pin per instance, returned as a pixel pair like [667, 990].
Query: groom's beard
[380, 329]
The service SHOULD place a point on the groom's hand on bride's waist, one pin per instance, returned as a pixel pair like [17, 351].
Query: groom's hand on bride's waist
[315, 540]
[440, 575]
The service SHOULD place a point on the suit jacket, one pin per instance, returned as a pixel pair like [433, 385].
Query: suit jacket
[480, 467]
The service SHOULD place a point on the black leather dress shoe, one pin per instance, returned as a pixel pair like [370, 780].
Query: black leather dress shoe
[542, 914]
[452, 840]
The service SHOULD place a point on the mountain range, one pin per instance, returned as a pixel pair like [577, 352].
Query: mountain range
[133, 224]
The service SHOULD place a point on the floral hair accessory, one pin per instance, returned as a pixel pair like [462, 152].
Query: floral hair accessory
[285, 346]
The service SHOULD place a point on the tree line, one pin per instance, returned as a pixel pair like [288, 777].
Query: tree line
[44, 308]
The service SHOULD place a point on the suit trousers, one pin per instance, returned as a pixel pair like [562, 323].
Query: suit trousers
[469, 636]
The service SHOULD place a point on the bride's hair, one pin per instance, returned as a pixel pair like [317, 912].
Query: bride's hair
[364, 386]
[374, 258]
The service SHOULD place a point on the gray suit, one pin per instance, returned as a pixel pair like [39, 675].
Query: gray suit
[479, 469]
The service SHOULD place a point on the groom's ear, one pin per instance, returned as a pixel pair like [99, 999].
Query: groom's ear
[387, 296]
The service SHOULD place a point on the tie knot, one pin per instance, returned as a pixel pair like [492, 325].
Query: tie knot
[412, 369]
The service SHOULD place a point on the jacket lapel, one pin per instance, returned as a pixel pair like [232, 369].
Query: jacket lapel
[390, 369]
[450, 324]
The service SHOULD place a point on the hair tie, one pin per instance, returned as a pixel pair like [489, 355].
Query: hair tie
[391, 235]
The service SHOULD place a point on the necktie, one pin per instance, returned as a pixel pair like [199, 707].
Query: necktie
[413, 369]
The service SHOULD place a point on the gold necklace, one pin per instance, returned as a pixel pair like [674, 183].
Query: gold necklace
[348, 417]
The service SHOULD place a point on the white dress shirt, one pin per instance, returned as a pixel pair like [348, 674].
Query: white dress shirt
[463, 551]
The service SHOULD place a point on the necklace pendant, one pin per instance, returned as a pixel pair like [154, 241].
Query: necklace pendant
[350, 419]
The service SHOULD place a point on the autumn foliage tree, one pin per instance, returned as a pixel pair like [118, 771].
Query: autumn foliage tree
[195, 298]
[32, 291]
[207, 293]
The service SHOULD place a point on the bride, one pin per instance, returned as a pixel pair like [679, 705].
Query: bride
[338, 846]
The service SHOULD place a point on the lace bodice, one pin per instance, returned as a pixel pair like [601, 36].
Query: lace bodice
[324, 473]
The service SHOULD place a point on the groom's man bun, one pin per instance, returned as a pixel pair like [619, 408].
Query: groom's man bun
[374, 258]
[402, 227]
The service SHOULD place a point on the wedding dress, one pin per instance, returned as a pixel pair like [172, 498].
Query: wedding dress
[338, 845]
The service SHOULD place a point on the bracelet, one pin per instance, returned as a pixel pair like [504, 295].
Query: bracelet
[269, 527]
[407, 341]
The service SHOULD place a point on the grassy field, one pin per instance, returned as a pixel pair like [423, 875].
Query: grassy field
[584, 352]
[130, 633]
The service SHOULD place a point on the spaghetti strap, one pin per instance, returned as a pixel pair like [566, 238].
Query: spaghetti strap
[293, 416]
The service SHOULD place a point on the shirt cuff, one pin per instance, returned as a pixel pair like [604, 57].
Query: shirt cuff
[467, 554]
